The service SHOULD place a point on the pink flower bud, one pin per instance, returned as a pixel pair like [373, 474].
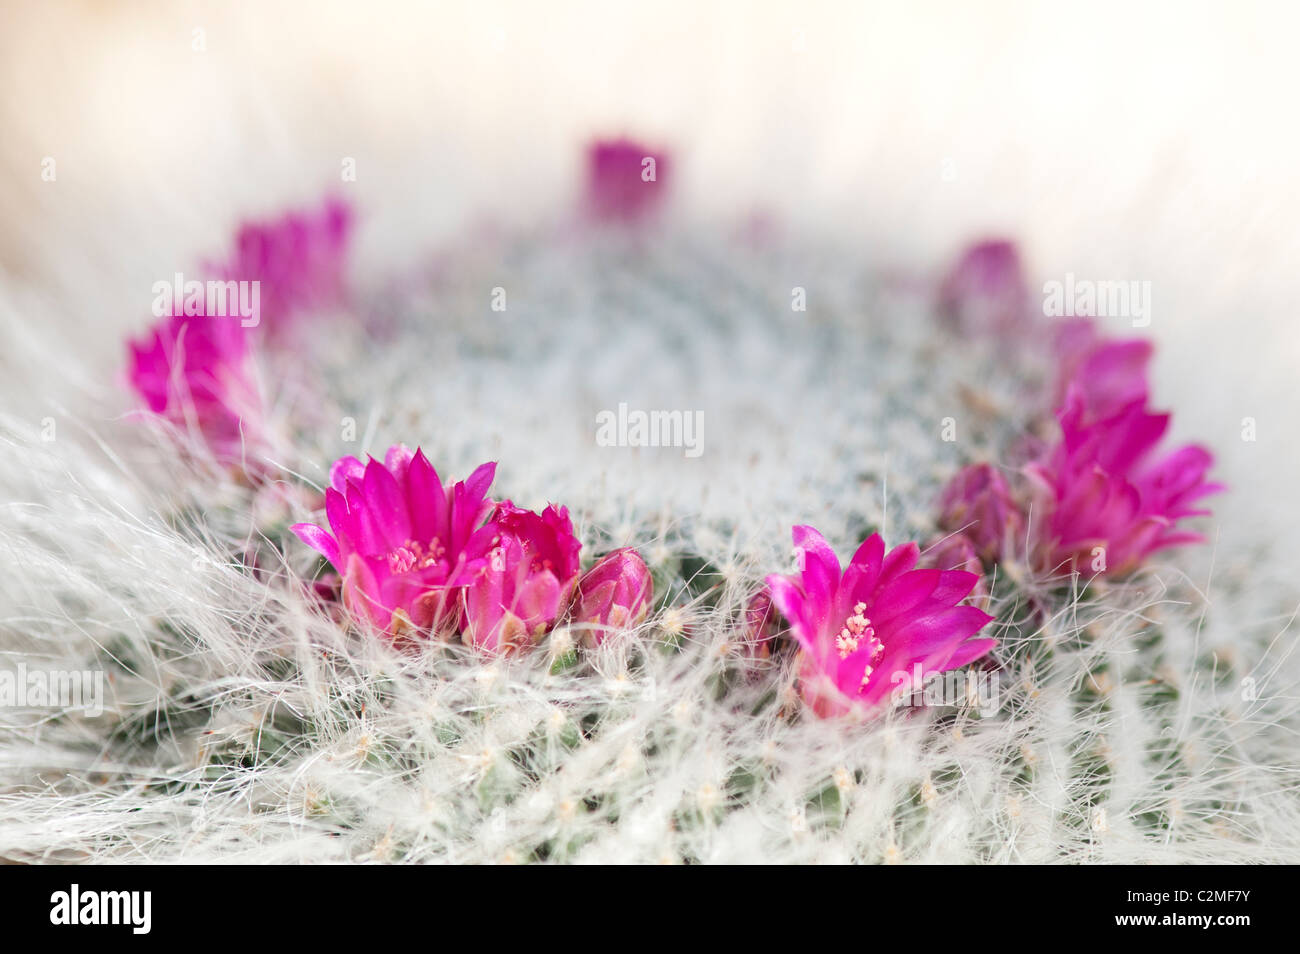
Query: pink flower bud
[978, 503]
[625, 180]
[614, 594]
[760, 625]
[985, 291]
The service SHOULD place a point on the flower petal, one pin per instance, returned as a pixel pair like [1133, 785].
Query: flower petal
[319, 540]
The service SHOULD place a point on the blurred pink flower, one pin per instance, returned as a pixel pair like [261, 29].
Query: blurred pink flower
[1106, 500]
[874, 628]
[405, 544]
[625, 180]
[985, 291]
[299, 260]
[532, 567]
[977, 502]
[196, 372]
[1109, 374]
[614, 594]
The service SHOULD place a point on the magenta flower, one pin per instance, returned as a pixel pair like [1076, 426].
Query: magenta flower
[1107, 500]
[196, 372]
[614, 594]
[1108, 374]
[299, 261]
[625, 180]
[527, 582]
[405, 544]
[985, 291]
[863, 633]
[978, 503]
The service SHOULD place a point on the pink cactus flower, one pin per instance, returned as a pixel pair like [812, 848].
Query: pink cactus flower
[404, 543]
[1109, 374]
[985, 291]
[196, 372]
[533, 565]
[867, 632]
[978, 503]
[615, 594]
[1107, 500]
[625, 180]
[299, 260]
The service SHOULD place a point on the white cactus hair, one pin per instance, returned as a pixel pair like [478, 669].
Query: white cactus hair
[1151, 719]
[243, 723]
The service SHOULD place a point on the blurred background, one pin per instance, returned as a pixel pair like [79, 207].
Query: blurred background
[1144, 141]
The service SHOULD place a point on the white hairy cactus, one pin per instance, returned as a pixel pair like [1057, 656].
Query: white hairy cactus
[1139, 721]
